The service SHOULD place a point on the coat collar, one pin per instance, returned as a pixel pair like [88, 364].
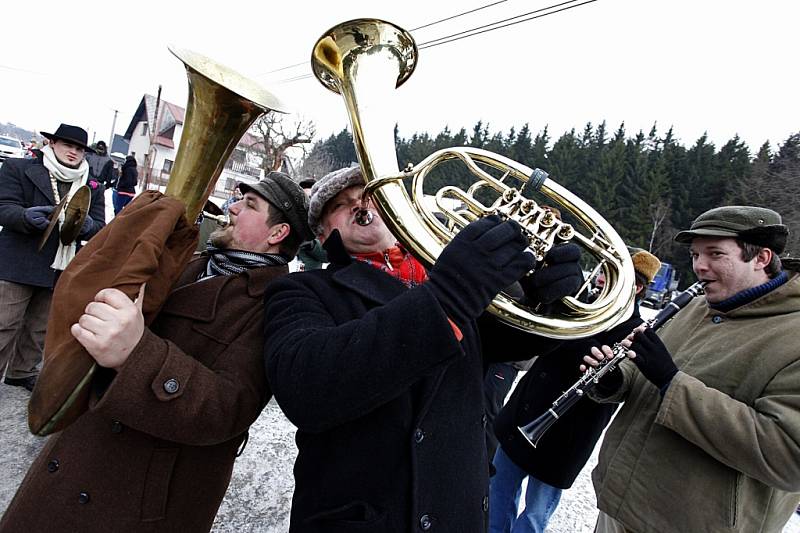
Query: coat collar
[40, 177]
[199, 300]
[361, 278]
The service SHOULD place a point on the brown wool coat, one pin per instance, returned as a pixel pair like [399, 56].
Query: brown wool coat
[156, 451]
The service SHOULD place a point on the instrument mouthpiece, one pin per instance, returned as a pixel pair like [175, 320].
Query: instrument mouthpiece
[364, 217]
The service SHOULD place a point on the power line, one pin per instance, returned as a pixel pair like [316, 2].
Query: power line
[472, 32]
[413, 29]
[15, 69]
[483, 29]
[456, 16]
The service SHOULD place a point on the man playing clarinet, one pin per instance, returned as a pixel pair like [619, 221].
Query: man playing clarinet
[709, 436]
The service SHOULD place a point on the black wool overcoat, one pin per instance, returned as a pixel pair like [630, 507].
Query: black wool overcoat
[388, 403]
[26, 183]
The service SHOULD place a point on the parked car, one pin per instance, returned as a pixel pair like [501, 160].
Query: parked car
[663, 286]
[10, 147]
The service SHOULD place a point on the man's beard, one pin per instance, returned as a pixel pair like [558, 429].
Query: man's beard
[221, 238]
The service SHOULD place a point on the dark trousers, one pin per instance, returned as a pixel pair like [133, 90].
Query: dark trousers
[23, 322]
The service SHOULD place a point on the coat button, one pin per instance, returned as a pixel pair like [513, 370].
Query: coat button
[716, 319]
[83, 497]
[485, 504]
[171, 386]
[425, 522]
[52, 466]
[419, 435]
[116, 426]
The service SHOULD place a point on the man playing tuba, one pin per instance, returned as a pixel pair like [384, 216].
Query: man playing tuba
[172, 402]
[379, 364]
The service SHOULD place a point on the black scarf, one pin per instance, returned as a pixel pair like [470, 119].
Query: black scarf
[229, 262]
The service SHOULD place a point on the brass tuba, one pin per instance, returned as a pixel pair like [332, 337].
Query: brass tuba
[222, 105]
[365, 60]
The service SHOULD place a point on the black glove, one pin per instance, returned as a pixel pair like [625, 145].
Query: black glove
[38, 216]
[610, 383]
[88, 224]
[481, 260]
[653, 359]
[561, 276]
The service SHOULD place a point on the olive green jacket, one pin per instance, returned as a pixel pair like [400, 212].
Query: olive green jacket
[721, 450]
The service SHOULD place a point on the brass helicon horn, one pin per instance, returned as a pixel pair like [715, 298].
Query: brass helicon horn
[365, 60]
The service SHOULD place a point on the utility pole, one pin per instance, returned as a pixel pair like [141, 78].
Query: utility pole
[111, 137]
[149, 156]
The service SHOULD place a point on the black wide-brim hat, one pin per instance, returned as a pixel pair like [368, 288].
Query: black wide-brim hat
[69, 133]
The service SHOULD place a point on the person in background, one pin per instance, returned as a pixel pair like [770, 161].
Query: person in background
[555, 462]
[100, 164]
[235, 196]
[311, 254]
[379, 364]
[29, 191]
[708, 436]
[126, 184]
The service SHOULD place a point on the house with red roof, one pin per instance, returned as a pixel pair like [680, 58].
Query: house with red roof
[160, 136]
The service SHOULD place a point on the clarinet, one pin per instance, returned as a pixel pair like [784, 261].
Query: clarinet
[534, 430]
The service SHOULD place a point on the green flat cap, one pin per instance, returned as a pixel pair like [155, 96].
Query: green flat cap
[754, 225]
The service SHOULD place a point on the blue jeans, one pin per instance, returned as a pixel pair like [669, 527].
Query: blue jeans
[120, 201]
[505, 487]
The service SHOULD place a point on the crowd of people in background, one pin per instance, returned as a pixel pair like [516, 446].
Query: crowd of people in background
[397, 379]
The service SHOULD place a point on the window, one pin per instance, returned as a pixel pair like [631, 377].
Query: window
[144, 128]
[167, 166]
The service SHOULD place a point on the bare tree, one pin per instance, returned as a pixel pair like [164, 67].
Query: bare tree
[276, 134]
[661, 234]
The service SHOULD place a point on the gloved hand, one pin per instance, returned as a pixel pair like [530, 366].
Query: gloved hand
[38, 216]
[481, 260]
[652, 358]
[88, 224]
[561, 276]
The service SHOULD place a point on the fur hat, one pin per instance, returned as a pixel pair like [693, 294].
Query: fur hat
[326, 188]
[646, 265]
[754, 225]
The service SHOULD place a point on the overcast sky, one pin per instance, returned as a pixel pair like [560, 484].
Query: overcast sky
[721, 66]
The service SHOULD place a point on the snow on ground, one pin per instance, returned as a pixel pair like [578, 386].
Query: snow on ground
[259, 497]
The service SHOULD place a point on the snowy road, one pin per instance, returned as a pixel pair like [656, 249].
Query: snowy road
[260, 494]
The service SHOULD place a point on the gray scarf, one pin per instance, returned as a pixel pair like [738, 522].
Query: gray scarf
[229, 262]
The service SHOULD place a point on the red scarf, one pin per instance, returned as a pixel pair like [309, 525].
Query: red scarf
[398, 263]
